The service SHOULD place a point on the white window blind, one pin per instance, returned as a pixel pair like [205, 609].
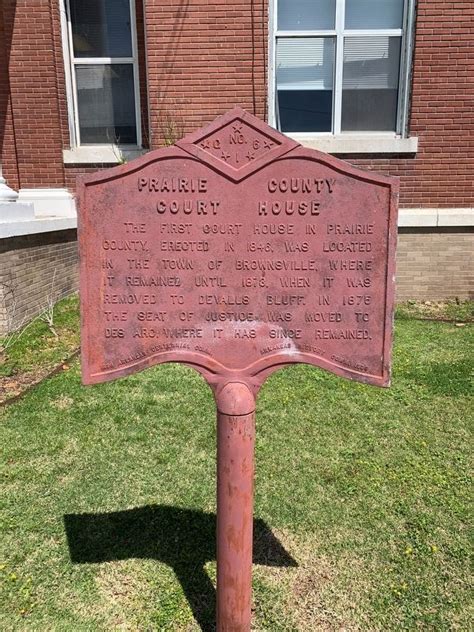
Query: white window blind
[371, 62]
[305, 64]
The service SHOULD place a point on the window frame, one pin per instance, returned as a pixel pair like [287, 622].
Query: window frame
[339, 33]
[70, 61]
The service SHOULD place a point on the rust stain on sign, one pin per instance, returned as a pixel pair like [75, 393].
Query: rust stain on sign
[237, 251]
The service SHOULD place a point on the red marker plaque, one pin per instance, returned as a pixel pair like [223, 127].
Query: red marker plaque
[237, 252]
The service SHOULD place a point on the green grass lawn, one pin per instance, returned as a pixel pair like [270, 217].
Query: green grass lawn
[38, 346]
[362, 498]
[28, 355]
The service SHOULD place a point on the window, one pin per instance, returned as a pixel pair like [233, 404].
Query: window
[103, 77]
[340, 66]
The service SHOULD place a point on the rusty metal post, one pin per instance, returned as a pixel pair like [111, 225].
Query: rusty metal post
[235, 480]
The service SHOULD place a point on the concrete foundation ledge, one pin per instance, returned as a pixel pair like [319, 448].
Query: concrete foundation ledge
[17, 228]
[38, 211]
[49, 202]
[435, 217]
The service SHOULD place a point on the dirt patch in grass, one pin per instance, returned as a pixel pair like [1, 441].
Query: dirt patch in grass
[117, 589]
[447, 311]
[14, 387]
[315, 594]
[63, 402]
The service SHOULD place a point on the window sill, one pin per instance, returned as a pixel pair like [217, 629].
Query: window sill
[358, 144]
[101, 154]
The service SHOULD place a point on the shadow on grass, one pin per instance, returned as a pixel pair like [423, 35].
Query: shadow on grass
[445, 378]
[182, 538]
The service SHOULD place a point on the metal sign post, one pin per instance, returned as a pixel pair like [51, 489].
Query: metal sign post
[235, 480]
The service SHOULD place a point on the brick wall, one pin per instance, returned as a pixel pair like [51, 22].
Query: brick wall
[32, 269]
[31, 40]
[7, 136]
[434, 265]
[442, 114]
[205, 57]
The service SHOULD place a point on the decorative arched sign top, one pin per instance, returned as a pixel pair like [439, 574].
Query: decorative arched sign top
[237, 251]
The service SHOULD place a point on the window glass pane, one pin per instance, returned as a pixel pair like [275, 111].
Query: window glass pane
[370, 83]
[101, 28]
[106, 104]
[305, 70]
[306, 15]
[374, 14]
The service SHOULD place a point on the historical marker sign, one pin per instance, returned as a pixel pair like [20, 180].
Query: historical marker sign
[237, 251]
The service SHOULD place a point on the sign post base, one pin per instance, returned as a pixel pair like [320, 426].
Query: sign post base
[235, 481]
